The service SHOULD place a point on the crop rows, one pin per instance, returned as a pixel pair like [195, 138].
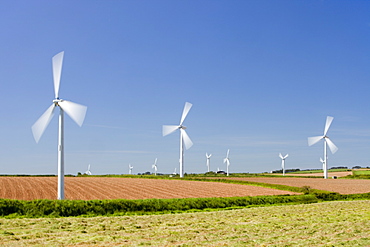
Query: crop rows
[101, 188]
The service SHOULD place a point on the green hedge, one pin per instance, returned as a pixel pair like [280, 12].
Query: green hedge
[64, 208]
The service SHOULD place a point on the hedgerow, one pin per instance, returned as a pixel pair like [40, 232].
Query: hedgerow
[65, 208]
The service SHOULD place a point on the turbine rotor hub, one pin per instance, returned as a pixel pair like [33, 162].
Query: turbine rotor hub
[182, 127]
[56, 101]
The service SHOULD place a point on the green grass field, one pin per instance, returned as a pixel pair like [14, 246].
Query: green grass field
[339, 223]
[361, 172]
[319, 171]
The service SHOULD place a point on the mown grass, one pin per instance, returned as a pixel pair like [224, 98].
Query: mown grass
[322, 224]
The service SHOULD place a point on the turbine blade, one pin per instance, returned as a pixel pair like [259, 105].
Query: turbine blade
[313, 140]
[286, 156]
[57, 71]
[185, 112]
[76, 111]
[186, 139]
[40, 125]
[227, 155]
[168, 129]
[328, 123]
[227, 161]
[281, 157]
[331, 145]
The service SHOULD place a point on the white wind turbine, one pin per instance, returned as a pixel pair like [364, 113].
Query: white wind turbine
[208, 160]
[75, 111]
[327, 142]
[130, 169]
[174, 172]
[184, 138]
[227, 161]
[88, 172]
[323, 163]
[154, 166]
[283, 162]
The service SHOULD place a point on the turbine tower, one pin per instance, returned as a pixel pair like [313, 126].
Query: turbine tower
[75, 111]
[88, 172]
[208, 160]
[283, 162]
[227, 161]
[154, 166]
[327, 142]
[130, 169]
[184, 138]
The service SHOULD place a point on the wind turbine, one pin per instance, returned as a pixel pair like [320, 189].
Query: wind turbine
[154, 166]
[75, 111]
[327, 142]
[227, 161]
[323, 163]
[283, 162]
[130, 169]
[174, 172]
[208, 160]
[88, 172]
[184, 138]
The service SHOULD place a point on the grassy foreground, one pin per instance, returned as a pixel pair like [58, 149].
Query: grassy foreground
[323, 224]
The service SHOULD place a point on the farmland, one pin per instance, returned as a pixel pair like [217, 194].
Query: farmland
[291, 225]
[342, 186]
[320, 173]
[92, 188]
[102, 188]
[312, 224]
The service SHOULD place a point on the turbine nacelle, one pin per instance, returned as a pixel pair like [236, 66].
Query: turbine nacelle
[57, 101]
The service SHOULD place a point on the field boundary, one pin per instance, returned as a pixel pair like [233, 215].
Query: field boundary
[66, 208]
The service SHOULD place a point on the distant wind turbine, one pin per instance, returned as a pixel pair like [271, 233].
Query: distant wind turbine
[88, 172]
[327, 142]
[154, 166]
[227, 161]
[184, 138]
[208, 160]
[323, 163]
[283, 162]
[75, 111]
[130, 167]
[174, 172]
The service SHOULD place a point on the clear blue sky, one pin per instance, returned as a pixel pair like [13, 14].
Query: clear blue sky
[262, 77]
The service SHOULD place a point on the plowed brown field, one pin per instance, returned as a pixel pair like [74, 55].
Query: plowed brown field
[342, 186]
[90, 188]
[320, 174]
